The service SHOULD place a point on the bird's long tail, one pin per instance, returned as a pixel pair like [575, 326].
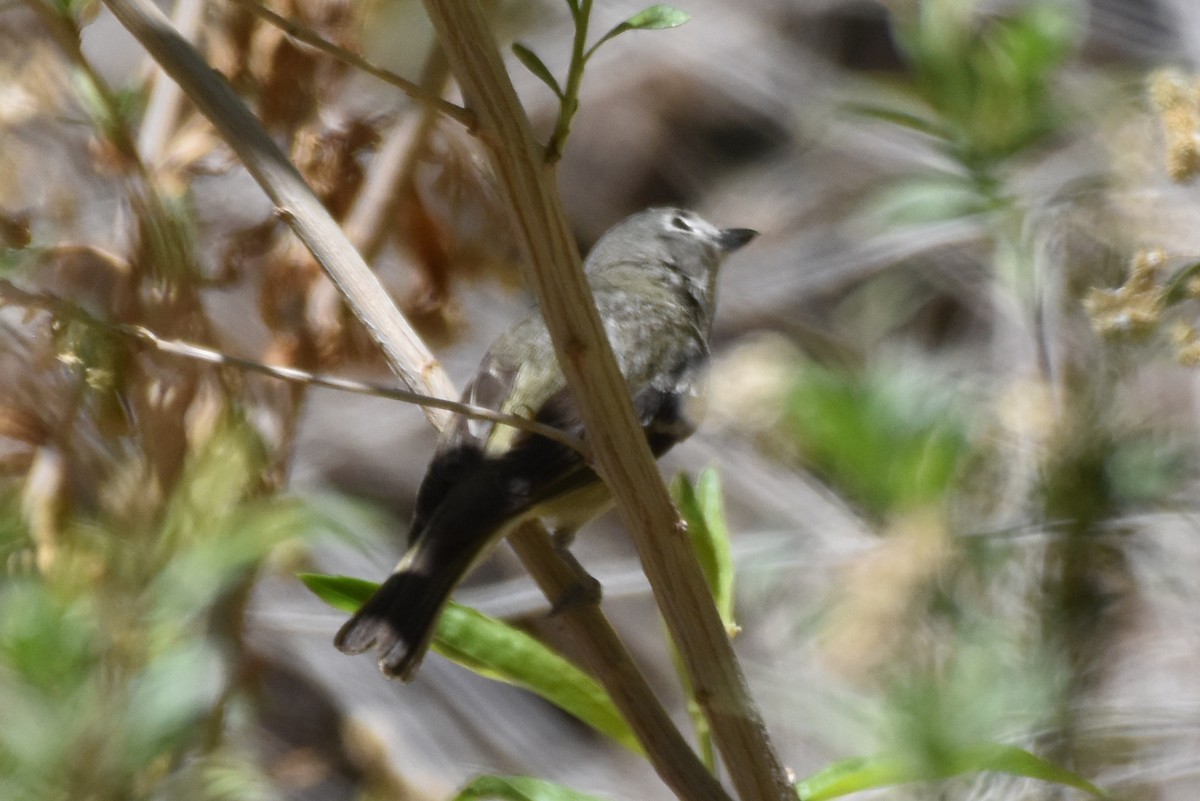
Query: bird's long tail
[399, 620]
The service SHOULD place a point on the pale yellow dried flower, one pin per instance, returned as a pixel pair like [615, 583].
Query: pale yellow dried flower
[867, 626]
[1135, 309]
[1186, 340]
[1177, 98]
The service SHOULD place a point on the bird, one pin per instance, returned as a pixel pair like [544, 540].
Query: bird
[653, 277]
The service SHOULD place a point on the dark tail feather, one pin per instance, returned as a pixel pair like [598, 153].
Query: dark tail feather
[398, 621]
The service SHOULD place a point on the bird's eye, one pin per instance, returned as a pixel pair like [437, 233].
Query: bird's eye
[680, 223]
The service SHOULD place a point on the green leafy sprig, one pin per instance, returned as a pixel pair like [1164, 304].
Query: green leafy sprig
[656, 17]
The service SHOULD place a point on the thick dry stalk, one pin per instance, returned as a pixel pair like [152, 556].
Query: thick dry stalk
[622, 455]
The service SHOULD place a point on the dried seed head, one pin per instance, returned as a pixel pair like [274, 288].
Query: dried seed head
[1177, 98]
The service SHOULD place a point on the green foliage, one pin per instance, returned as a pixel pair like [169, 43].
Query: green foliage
[945, 713]
[224, 774]
[1144, 469]
[532, 62]
[888, 440]
[518, 788]
[500, 652]
[982, 91]
[703, 510]
[885, 770]
[928, 197]
[987, 81]
[75, 9]
[655, 17]
[107, 675]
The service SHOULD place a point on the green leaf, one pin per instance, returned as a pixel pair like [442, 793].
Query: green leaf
[703, 509]
[921, 199]
[166, 701]
[494, 649]
[519, 788]
[537, 67]
[656, 17]
[853, 775]
[498, 651]
[891, 440]
[882, 770]
[344, 593]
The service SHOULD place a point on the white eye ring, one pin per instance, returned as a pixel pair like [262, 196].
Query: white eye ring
[681, 224]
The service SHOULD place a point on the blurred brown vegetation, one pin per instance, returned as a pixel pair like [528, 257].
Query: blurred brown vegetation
[956, 440]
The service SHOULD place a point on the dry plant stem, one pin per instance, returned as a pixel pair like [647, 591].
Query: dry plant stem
[308, 37]
[165, 96]
[292, 197]
[605, 656]
[622, 455]
[392, 171]
[190, 351]
[668, 751]
[62, 310]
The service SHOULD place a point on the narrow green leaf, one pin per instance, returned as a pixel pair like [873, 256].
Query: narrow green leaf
[537, 67]
[704, 511]
[518, 788]
[1019, 762]
[853, 775]
[712, 505]
[656, 17]
[494, 649]
[498, 651]
[882, 770]
[344, 593]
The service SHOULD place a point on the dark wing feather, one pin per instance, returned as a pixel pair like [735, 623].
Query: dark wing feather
[460, 452]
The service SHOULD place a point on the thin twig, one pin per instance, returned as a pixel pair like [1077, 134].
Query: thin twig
[316, 41]
[190, 351]
[10, 293]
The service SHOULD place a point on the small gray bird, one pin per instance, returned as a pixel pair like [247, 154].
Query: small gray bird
[654, 280]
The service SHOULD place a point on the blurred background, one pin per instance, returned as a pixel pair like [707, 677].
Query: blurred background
[952, 400]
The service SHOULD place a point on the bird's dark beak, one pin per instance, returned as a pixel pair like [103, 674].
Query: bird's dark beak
[731, 239]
